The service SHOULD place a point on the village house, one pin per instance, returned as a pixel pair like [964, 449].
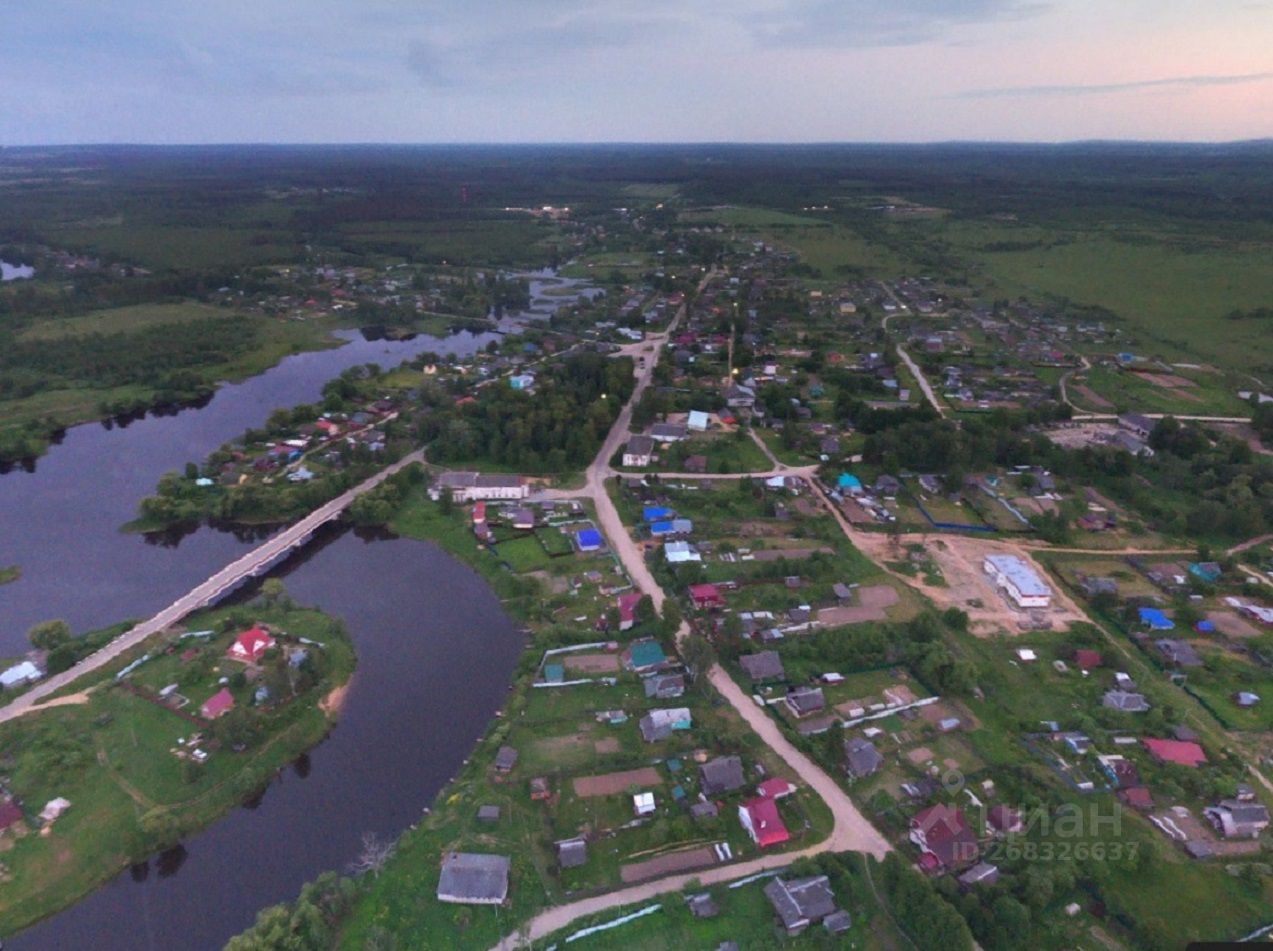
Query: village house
[627, 604]
[1180, 752]
[637, 453]
[668, 432]
[250, 646]
[571, 853]
[944, 839]
[659, 724]
[721, 775]
[766, 665]
[805, 701]
[218, 705]
[664, 686]
[473, 879]
[643, 656]
[1136, 424]
[1238, 820]
[800, 902]
[760, 819]
[861, 758]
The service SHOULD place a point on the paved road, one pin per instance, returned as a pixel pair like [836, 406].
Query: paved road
[851, 831]
[206, 593]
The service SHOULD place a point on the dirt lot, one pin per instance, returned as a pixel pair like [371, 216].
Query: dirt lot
[610, 784]
[668, 864]
[1076, 436]
[591, 663]
[609, 745]
[1231, 625]
[873, 604]
[969, 589]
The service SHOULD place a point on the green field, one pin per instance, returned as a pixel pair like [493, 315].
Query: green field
[1170, 294]
[122, 320]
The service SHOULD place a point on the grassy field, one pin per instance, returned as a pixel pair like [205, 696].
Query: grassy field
[173, 245]
[832, 249]
[122, 320]
[111, 756]
[1170, 294]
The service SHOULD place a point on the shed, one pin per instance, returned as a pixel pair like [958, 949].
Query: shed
[571, 853]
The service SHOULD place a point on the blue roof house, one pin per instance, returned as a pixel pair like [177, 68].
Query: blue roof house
[1155, 620]
[588, 539]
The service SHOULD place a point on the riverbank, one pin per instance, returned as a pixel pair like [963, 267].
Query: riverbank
[33, 423]
[147, 758]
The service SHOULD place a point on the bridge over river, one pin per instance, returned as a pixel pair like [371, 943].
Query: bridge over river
[254, 563]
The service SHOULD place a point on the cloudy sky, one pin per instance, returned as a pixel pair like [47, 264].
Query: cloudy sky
[633, 70]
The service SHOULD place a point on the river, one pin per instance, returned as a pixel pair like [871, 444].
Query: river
[435, 652]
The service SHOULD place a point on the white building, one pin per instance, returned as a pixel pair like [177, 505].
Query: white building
[19, 675]
[638, 451]
[474, 486]
[1019, 580]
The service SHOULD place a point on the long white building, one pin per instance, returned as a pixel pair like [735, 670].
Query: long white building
[474, 486]
[1021, 582]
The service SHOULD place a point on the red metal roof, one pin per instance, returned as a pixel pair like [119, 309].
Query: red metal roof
[767, 826]
[250, 645]
[219, 703]
[1181, 752]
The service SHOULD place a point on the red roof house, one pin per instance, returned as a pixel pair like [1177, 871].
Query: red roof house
[627, 609]
[1180, 752]
[1086, 659]
[219, 704]
[250, 645]
[706, 596]
[775, 788]
[940, 831]
[761, 820]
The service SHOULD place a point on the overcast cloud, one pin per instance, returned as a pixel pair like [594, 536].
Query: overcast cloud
[633, 70]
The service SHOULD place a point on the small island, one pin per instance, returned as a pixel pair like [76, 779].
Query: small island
[10, 573]
[135, 757]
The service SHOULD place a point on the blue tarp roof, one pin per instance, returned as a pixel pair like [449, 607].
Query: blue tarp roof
[588, 538]
[655, 513]
[662, 528]
[847, 481]
[1155, 619]
[1204, 627]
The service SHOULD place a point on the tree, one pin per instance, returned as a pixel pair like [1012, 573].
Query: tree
[374, 854]
[273, 591]
[49, 635]
[698, 654]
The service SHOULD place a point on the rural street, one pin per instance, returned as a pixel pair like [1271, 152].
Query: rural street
[204, 594]
[851, 830]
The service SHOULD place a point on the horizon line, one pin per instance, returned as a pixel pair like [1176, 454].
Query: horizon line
[646, 143]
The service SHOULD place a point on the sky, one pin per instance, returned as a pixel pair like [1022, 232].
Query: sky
[309, 71]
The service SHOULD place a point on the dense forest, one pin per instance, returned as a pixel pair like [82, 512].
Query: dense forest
[557, 429]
